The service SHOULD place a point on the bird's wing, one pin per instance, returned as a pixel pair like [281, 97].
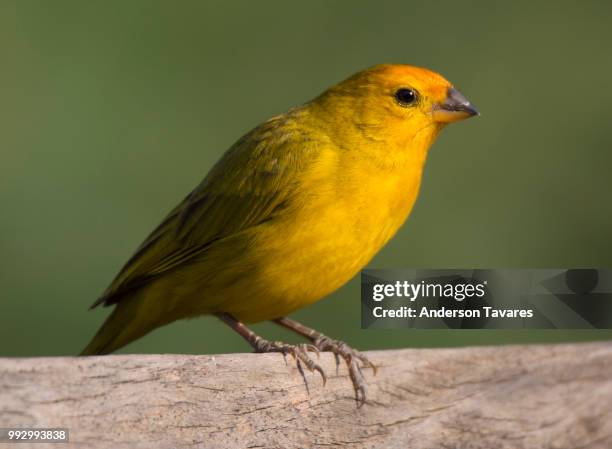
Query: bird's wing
[252, 183]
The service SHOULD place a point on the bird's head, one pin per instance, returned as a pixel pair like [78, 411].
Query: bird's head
[397, 105]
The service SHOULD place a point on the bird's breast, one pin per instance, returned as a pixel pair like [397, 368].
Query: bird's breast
[340, 224]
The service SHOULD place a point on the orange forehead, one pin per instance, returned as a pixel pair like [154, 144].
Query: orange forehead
[401, 75]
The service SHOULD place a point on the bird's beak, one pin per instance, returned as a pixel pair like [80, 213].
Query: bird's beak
[454, 108]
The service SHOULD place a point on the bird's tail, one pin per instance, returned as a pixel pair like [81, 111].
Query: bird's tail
[123, 326]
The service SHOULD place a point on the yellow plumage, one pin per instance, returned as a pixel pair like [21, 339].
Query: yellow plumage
[290, 213]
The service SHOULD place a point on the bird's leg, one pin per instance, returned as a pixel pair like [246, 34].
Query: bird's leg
[298, 352]
[339, 349]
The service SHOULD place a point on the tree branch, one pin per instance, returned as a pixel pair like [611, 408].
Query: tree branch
[555, 396]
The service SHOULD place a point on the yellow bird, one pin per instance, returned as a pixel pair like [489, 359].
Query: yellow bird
[291, 212]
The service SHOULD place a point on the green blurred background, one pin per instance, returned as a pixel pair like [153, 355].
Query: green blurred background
[111, 112]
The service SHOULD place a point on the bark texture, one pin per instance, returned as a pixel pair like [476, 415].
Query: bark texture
[540, 396]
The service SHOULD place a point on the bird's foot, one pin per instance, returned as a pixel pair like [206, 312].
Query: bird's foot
[352, 359]
[299, 353]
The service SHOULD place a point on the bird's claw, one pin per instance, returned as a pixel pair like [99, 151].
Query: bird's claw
[351, 358]
[298, 352]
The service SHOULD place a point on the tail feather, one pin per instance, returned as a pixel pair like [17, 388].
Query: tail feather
[121, 327]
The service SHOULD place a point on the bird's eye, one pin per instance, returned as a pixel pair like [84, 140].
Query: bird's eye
[405, 97]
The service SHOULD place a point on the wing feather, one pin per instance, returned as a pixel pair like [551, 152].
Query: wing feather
[252, 183]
